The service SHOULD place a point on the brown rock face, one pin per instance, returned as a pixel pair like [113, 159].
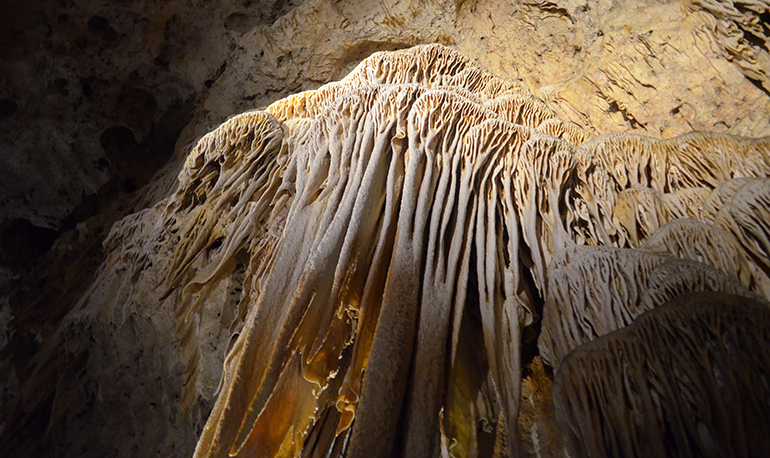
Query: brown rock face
[380, 265]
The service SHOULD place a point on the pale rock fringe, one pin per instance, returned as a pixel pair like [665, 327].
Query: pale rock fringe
[691, 239]
[713, 203]
[566, 131]
[521, 109]
[692, 160]
[747, 216]
[638, 213]
[686, 203]
[596, 290]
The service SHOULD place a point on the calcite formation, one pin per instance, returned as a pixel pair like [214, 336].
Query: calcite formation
[374, 253]
[688, 378]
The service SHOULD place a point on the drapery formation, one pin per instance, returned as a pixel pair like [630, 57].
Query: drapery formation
[428, 199]
[395, 232]
[688, 379]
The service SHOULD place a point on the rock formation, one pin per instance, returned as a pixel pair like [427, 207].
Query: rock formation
[367, 268]
[688, 378]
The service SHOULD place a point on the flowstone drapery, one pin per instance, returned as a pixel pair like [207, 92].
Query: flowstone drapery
[689, 378]
[393, 234]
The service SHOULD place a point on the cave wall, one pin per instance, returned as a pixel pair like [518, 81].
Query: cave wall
[100, 103]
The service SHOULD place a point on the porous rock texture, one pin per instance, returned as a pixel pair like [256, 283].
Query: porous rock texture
[362, 268]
